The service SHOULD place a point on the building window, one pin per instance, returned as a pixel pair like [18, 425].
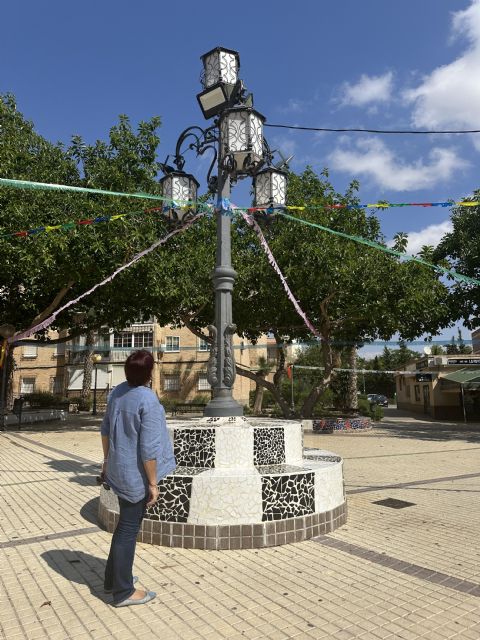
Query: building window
[203, 383]
[171, 382]
[30, 351]
[123, 340]
[27, 385]
[56, 384]
[172, 343]
[203, 345]
[400, 383]
[408, 389]
[143, 340]
[417, 393]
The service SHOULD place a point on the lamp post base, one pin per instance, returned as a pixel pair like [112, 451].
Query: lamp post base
[223, 407]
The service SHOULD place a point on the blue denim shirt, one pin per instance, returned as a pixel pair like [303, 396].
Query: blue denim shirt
[137, 431]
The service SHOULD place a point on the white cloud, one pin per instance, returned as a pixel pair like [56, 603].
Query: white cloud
[294, 105]
[368, 90]
[449, 97]
[371, 158]
[431, 235]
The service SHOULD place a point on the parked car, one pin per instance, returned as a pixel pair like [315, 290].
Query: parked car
[376, 398]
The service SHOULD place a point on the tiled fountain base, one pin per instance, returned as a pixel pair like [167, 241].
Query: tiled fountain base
[338, 425]
[240, 485]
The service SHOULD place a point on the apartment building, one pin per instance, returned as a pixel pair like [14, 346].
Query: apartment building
[180, 370]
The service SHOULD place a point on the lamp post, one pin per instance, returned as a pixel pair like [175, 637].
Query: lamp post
[96, 358]
[240, 150]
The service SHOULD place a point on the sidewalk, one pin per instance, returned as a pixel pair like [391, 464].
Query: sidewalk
[389, 573]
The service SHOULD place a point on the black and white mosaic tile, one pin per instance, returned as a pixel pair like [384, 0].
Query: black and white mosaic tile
[325, 458]
[276, 469]
[187, 471]
[194, 447]
[268, 446]
[287, 496]
[173, 504]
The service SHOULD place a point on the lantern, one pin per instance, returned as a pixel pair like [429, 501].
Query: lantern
[241, 137]
[219, 78]
[180, 192]
[270, 188]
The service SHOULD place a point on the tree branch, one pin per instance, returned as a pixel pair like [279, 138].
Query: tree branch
[53, 305]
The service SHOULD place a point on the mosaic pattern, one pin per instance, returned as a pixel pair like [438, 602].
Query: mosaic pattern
[329, 425]
[287, 496]
[268, 446]
[187, 471]
[194, 447]
[325, 458]
[173, 504]
[275, 469]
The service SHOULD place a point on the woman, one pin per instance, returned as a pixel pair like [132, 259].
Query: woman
[137, 454]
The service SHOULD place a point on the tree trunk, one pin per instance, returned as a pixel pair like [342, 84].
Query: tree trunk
[257, 405]
[87, 370]
[10, 364]
[352, 396]
[282, 403]
[312, 398]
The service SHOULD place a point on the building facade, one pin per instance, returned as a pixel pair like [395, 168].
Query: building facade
[179, 374]
[443, 387]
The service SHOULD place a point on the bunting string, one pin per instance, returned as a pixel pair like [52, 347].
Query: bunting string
[226, 208]
[48, 321]
[375, 245]
[277, 269]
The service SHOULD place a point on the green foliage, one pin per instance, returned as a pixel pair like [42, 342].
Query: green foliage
[373, 411]
[41, 399]
[461, 248]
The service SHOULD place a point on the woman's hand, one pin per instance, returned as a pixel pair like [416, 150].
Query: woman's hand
[153, 494]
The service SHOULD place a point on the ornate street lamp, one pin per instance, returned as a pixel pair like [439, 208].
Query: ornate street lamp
[239, 150]
[219, 79]
[241, 139]
[270, 188]
[180, 190]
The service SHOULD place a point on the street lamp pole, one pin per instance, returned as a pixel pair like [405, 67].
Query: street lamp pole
[240, 150]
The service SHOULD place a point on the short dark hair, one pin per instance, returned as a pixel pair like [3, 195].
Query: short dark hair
[138, 368]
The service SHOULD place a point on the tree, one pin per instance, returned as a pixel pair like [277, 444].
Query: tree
[460, 247]
[345, 288]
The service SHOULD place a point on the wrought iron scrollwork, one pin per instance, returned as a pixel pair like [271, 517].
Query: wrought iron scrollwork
[229, 359]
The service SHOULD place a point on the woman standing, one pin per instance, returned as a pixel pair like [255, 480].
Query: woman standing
[137, 454]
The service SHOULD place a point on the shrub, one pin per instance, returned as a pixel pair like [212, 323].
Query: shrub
[41, 399]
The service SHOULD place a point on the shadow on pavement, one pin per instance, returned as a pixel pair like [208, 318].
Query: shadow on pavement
[85, 474]
[79, 567]
[89, 511]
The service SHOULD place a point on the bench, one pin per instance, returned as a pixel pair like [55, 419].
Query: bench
[188, 407]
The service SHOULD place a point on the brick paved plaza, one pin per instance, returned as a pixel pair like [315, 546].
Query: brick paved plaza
[389, 573]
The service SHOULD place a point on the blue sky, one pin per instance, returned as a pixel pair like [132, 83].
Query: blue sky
[75, 66]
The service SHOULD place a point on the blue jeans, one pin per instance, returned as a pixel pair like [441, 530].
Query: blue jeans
[118, 572]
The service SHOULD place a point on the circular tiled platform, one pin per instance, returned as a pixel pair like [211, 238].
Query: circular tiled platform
[241, 485]
[338, 425]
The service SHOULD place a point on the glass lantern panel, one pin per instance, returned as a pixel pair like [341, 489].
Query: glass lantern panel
[220, 66]
[262, 189]
[235, 128]
[228, 67]
[256, 134]
[183, 189]
[279, 188]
